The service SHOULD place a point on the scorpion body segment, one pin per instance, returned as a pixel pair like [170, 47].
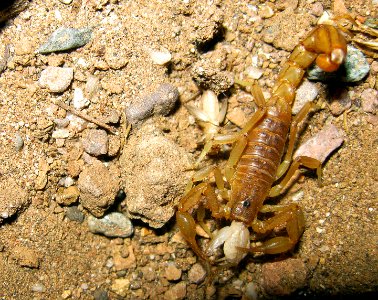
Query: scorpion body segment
[258, 159]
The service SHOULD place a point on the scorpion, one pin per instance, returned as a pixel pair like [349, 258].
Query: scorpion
[258, 166]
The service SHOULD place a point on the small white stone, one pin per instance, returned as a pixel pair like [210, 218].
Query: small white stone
[319, 230]
[161, 57]
[79, 102]
[307, 92]
[66, 1]
[61, 133]
[56, 79]
[254, 72]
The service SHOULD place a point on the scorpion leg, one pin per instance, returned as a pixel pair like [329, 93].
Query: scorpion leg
[293, 132]
[231, 138]
[202, 195]
[305, 161]
[291, 217]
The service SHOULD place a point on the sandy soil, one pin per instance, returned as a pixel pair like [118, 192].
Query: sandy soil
[44, 255]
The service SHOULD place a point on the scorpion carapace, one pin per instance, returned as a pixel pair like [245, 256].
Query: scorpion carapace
[256, 163]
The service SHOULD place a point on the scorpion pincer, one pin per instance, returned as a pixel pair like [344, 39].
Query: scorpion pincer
[257, 162]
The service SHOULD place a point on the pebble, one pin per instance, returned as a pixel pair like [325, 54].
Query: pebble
[56, 79]
[251, 291]
[307, 92]
[66, 1]
[114, 145]
[67, 196]
[65, 39]
[120, 286]
[38, 288]
[369, 100]
[354, 69]
[95, 142]
[100, 294]
[177, 292]
[98, 188]
[208, 76]
[18, 142]
[161, 57]
[340, 102]
[61, 123]
[254, 72]
[266, 11]
[25, 257]
[197, 274]
[317, 9]
[111, 225]
[283, 277]
[159, 102]
[321, 144]
[66, 181]
[74, 214]
[13, 198]
[172, 273]
[60, 133]
[92, 86]
[79, 101]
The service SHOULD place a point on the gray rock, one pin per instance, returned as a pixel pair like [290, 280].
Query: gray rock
[112, 225]
[65, 39]
[160, 102]
[95, 142]
[74, 214]
[355, 68]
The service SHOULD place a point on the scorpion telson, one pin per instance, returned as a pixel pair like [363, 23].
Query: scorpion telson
[257, 161]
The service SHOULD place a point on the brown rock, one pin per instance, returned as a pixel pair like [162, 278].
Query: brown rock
[25, 257]
[283, 277]
[197, 273]
[13, 198]
[172, 273]
[176, 292]
[97, 188]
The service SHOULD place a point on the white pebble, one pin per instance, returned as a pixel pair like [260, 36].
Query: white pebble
[79, 102]
[66, 1]
[38, 287]
[161, 57]
[307, 92]
[56, 79]
[61, 133]
[254, 72]
[18, 142]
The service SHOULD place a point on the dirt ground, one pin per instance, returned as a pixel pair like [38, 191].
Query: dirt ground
[46, 255]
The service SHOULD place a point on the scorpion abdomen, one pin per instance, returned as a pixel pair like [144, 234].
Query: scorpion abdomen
[257, 168]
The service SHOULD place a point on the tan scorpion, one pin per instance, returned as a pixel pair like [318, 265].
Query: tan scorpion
[255, 164]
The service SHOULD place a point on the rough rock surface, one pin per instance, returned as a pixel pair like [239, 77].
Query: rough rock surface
[98, 188]
[160, 164]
